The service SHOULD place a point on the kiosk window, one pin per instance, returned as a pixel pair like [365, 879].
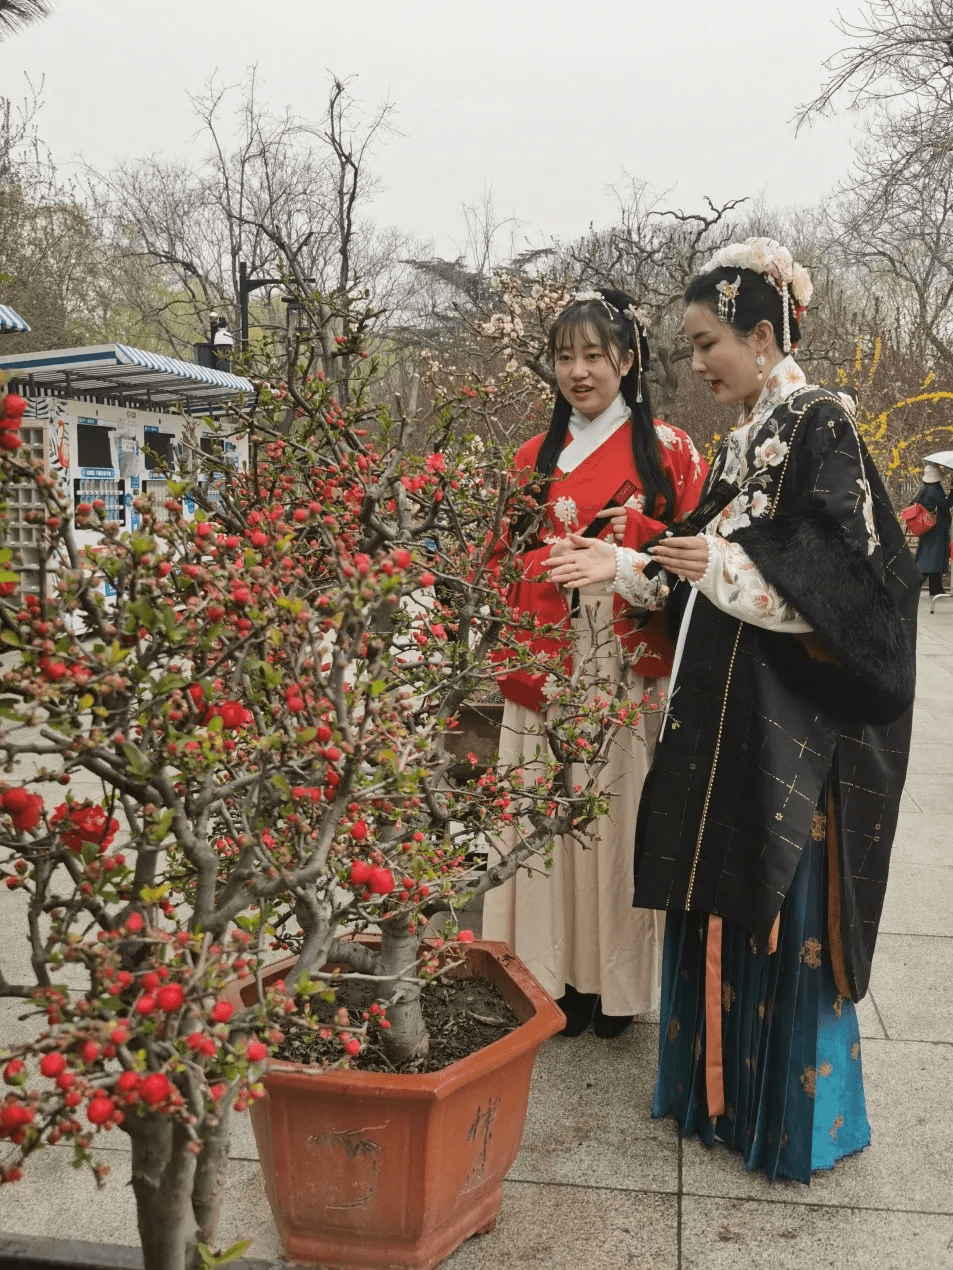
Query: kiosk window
[158, 449]
[213, 446]
[93, 446]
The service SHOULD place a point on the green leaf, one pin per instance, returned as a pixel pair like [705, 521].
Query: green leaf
[9, 637]
[134, 759]
[145, 613]
[162, 826]
[153, 894]
[216, 723]
[377, 687]
[6, 553]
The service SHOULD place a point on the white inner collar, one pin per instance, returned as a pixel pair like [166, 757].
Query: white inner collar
[589, 434]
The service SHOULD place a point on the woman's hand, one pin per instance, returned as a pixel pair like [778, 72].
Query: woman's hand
[589, 561]
[618, 520]
[686, 557]
[561, 547]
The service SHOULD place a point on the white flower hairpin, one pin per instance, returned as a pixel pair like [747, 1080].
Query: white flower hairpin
[776, 264]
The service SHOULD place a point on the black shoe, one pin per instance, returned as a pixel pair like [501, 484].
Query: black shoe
[609, 1025]
[578, 1008]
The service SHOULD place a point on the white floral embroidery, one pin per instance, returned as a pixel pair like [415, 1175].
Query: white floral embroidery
[668, 436]
[759, 503]
[867, 508]
[735, 516]
[695, 457]
[565, 509]
[632, 584]
[636, 502]
[771, 453]
[736, 585]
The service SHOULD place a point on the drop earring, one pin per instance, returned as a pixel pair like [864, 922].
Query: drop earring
[759, 362]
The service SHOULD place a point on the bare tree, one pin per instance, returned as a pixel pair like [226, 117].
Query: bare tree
[267, 179]
[15, 14]
[898, 49]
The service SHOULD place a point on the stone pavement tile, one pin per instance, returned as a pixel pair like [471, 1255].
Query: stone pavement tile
[868, 1019]
[923, 840]
[912, 982]
[935, 676]
[243, 1145]
[589, 1121]
[933, 794]
[755, 1236]
[919, 900]
[907, 1168]
[939, 709]
[60, 1202]
[929, 757]
[575, 1228]
[907, 806]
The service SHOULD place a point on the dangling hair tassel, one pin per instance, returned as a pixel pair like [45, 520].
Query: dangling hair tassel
[638, 352]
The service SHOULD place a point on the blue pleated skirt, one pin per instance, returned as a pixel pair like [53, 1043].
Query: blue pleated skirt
[794, 1090]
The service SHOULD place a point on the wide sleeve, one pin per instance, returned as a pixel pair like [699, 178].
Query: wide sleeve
[631, 583]
[734, 584]
[835, 554]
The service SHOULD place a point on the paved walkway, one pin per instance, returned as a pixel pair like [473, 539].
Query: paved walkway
[598, 1185]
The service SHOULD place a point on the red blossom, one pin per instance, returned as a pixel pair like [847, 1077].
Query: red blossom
[170, 997]
[154, 1088]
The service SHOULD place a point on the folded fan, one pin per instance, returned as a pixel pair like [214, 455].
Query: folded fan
[710, 505]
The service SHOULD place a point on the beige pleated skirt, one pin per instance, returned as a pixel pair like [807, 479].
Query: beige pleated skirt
[576, 924]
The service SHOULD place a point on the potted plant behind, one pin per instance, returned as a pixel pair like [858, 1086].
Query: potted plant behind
[264, 701]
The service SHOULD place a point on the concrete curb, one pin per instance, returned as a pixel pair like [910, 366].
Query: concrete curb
[25, 1252]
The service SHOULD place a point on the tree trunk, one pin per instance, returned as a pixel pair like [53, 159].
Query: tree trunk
[406, 1040]
[211, 1176]
[163, 1175]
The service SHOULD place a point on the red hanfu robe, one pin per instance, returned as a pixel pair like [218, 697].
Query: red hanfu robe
[574, 499]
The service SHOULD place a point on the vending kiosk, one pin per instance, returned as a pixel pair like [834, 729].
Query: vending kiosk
[111, 422]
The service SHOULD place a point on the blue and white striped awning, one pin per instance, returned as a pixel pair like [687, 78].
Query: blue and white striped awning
[129, 375]
[10, 320]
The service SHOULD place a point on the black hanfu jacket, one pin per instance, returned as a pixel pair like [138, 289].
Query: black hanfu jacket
[762, 720]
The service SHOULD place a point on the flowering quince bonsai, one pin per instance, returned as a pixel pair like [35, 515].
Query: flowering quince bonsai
[262, 704]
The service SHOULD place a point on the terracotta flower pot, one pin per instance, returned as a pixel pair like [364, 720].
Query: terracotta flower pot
[367, 1171]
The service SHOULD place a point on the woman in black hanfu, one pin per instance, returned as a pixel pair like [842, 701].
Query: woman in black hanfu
[767, 819]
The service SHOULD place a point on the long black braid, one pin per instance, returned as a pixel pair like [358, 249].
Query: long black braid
[618, 334]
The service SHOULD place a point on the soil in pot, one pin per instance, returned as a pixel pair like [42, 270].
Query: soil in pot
[462, 1017]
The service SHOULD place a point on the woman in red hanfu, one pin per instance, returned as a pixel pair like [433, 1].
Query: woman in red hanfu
[575, 927]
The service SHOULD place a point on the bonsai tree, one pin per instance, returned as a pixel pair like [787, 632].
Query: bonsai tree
[262, 702]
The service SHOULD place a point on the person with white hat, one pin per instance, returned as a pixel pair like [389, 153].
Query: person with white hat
[933, 547]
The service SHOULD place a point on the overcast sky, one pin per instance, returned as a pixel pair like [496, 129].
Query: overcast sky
[545, 104]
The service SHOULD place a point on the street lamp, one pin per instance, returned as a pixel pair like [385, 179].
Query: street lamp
[246, 286]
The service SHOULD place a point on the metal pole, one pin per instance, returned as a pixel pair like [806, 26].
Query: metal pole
[243, 303]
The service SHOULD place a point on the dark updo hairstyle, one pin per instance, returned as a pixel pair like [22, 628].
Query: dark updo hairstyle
[757, 301]
[606, 324]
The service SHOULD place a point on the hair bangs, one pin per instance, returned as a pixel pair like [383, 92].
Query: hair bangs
[593, 323]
